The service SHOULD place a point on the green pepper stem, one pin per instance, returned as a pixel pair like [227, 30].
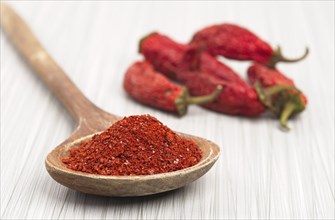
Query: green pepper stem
[185, 99]
[281, 103]
[265, 94]
[286, 114]
[196, 100]
[263, 97]
[279, 57]
[276, 89]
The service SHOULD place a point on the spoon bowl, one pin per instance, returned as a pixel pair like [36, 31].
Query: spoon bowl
[128, 185]
[92, 120]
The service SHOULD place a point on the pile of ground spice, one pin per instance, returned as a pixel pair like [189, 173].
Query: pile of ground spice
[135, 145]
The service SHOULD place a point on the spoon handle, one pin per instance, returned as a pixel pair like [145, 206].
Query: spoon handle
[45, 67]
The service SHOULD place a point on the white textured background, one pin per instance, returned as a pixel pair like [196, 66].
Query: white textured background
[263, 172]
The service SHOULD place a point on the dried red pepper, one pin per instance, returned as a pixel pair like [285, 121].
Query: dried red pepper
[164, 53]
[277, 92]
[135, 145]
[235, 42]
[234, 99]
[173, 59]
[201, 73]
[147, 86]
[195, 60]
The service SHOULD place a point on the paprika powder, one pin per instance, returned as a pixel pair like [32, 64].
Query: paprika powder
[135, 145]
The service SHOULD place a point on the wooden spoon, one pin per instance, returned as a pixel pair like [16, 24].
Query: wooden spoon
[92, 120]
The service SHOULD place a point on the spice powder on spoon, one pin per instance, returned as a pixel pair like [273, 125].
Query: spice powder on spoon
[135, 145]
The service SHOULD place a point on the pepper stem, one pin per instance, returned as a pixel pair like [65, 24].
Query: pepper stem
[185, 99]
[265, 94]
[276, 89]
[283, 101]
[279, 57]
[196, 100]
[262, 95]
[286, 113]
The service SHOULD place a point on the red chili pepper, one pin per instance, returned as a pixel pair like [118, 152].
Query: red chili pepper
[202, 72]
[277, 92]
[235, 42]
[234, 99]
[152, 88]
[165, 54]
[173, 59]
[204, 62]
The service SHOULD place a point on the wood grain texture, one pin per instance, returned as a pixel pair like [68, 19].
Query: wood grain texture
[262, 173]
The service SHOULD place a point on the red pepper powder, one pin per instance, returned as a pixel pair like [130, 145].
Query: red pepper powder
[135, 145]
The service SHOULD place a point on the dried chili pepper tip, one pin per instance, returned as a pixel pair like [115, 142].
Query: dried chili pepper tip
[163, 53]
[277, 57]
[144, 38]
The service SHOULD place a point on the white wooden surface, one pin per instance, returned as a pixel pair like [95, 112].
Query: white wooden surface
[263, 172]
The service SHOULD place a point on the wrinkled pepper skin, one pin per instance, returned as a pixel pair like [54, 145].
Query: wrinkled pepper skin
[164, 53]
[149, 87]
[173, 59]
[277, 92]
[201, 72]
[210, 65]
[152, 88]
[202, 61]
[233, 42]
[267, 77]
[235, 99]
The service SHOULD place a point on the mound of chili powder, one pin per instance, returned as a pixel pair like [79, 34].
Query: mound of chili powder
[135, 145]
